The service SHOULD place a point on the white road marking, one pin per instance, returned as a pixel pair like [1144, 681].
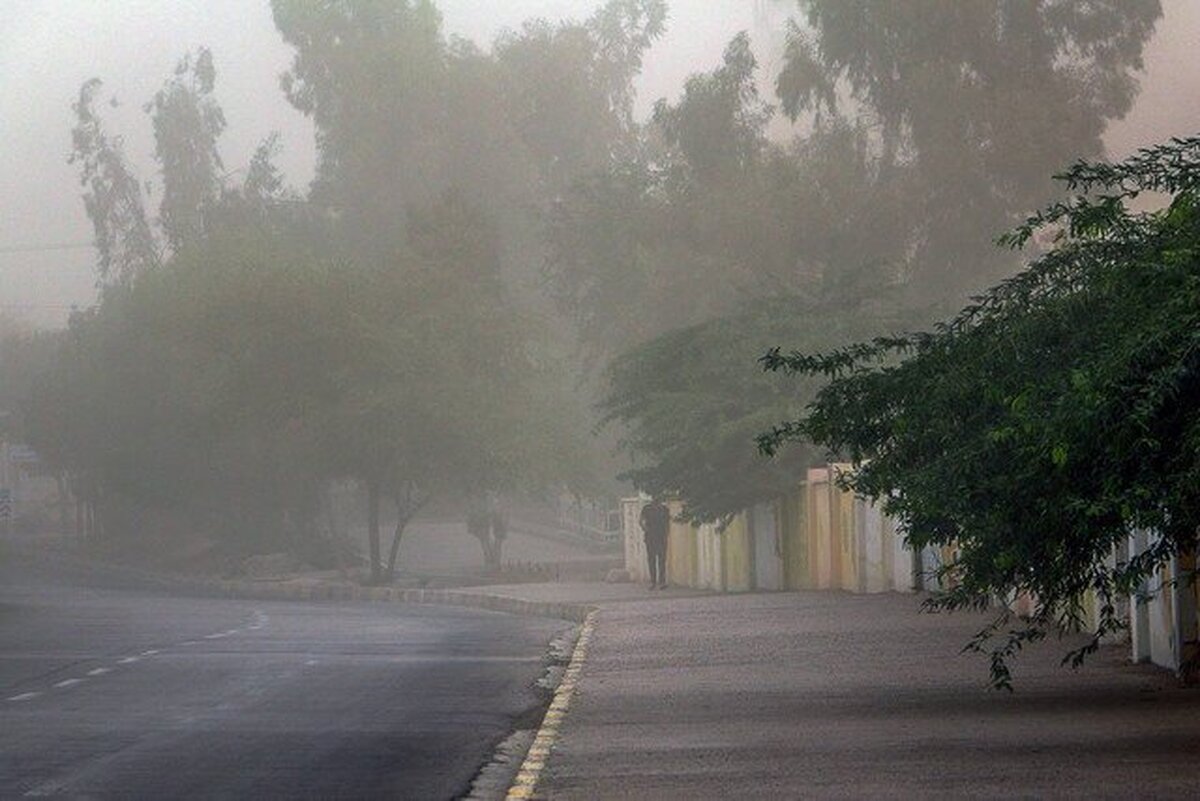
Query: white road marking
[231, 632]
[151, 652]
[100, 671]
[189, 642]
[215, 636]
[311, 662]
[23, 697]
[129, 660]
[69, 682]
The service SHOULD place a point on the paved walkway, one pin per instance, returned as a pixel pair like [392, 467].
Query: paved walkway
[797, 695]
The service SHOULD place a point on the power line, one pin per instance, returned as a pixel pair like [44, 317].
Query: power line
[46, 247]
[56, 269]
[43, 306]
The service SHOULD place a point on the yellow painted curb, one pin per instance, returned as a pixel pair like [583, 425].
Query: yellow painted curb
[535, 761]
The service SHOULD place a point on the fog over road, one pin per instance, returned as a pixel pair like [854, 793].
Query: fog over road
[107, 692]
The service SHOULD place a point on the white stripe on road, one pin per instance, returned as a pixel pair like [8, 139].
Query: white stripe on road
[129, 660]
[99, 671]
[23, 696]
[69, 682]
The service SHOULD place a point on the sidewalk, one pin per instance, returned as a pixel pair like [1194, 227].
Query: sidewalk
[796, 695]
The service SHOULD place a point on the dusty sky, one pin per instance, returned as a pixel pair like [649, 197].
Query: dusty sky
[49, 47]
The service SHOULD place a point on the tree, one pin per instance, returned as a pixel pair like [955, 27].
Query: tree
[187, 123]
[718, 125]
[113, 197]
[983, 100]
[710, 215]
[669, 265]
[26, 357]
[690, 402]
[574, 125]
[1050, 419]
[373, 76]
[636, 249]
[406, 120]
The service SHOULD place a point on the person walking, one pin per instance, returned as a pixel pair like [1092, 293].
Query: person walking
[656, 522]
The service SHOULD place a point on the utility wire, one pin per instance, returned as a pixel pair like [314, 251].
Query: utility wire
[40, 306]
[46, 247]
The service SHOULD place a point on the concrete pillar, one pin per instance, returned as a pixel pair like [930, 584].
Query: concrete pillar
[1139, 608]
[1183, 625]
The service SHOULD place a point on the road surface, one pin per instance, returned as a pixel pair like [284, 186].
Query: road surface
[110, 693]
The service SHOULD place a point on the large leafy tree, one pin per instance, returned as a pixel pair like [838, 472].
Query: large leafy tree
[983, 100]
[651, 243]
[187, 123]
[1048, 421]
[113, 197]
[575, 124]
[668, 263]
[929, 127]
[442, 396]
[690, 402]
[404, 115]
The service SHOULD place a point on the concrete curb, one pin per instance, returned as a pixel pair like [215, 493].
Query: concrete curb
[573, 612]
[525, 783]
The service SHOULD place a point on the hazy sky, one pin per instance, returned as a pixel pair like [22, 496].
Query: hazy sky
[49, 47]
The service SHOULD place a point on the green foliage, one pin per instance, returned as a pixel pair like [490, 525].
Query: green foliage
[691, 401]
[231, 384]
[572, 125]
[181, 392]
[719, 122]
[664, 261]
[932, 123]
[289, 342]
[691, 229]
[1052, 417]
[406, 118]
[981, 100]
[187, 123]
[112, 195]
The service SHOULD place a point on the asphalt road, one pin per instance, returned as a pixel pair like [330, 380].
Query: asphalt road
[108, 693]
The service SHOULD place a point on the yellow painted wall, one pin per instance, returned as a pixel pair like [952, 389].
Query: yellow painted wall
[818, 526]
[709, 557]
[847, 540]
[794, 535]
[736, 555]
[681, 550]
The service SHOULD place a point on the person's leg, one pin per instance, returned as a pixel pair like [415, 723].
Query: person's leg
[660, 562]
[651, 559]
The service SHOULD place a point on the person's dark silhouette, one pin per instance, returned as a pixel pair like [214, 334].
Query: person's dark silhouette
[656, 521]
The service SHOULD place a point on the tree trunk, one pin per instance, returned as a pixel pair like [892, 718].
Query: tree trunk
[60, 482]
[401, 522]
[336, 536]
[499, 533]
[373, 528]
[409, 501]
